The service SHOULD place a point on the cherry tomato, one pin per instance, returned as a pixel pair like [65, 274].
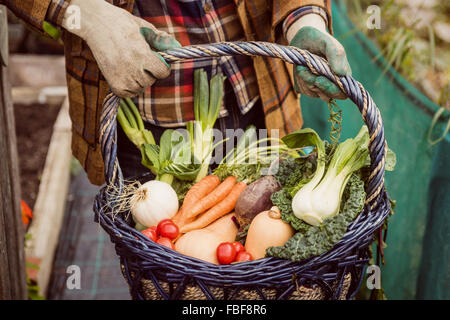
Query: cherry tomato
[226, 253]
[243, 256]
[169, 230]
[165, 242]
[150, 233]
[161, 223]
[238, 246]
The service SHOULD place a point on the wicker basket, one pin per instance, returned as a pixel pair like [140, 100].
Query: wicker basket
[156, 272]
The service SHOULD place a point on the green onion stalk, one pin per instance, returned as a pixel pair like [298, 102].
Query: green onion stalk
[207, 101]
[132, 124]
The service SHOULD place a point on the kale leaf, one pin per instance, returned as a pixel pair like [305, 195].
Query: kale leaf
[294, 173]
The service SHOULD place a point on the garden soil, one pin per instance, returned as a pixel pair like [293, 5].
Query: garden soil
[34, 127]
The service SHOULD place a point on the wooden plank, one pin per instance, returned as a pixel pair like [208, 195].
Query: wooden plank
[46, 95]
[37, 71]
[37, 79]
[49, 208]
[3, 37]
[12, 261]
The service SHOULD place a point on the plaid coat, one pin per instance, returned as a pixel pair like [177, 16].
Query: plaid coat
[261, 20]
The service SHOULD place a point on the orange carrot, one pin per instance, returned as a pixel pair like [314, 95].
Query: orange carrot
[195, 193]
[213, 198]
[222, 208]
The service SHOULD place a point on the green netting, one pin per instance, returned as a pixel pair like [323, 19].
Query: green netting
[417, 256]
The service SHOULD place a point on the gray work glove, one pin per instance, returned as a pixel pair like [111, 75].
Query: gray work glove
[123, 45]
[310, 33]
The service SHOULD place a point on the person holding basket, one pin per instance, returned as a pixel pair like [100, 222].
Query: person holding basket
[113, 45]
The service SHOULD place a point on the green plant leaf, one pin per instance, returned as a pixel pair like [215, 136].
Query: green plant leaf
[51, 30]
[181, 148]
[150, 157]
[248, 137]
[182, 172]
[165, 145]
[215, 99]
[204, 99]
[390, 161]
[303, 138]
[197, 94]
[31, 265]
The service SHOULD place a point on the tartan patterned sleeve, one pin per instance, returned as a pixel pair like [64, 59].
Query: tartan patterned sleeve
[56, 10]
[297, 14]
[32, 12]
[35, 12]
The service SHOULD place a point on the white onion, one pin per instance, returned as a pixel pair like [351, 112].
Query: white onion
[154, 201]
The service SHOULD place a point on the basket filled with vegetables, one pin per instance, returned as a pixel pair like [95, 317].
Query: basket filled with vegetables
[276, 218]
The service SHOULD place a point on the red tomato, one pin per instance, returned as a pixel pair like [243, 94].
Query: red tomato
[226, 253]
[238, 246]
[243, 256]
[165, 242]
[169, 230]
[150, 233]
[161, 223]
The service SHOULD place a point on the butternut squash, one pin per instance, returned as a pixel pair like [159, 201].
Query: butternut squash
[202, 243]
[267, 230]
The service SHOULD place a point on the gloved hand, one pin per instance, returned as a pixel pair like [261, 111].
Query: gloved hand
[122, 45]
[310, 33]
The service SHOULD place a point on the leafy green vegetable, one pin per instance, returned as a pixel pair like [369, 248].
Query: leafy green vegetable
[243, 172]
[290, 171]
[310, 240]
[242, 234]
[182, 156]
[250, 156]
[51, 30]
[389, 165]
[181, 187]
[172, 158]
[305, 137]
[246, 140]
[293, 173]
[391, 160]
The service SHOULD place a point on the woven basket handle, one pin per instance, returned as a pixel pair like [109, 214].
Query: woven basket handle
[317, 65]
